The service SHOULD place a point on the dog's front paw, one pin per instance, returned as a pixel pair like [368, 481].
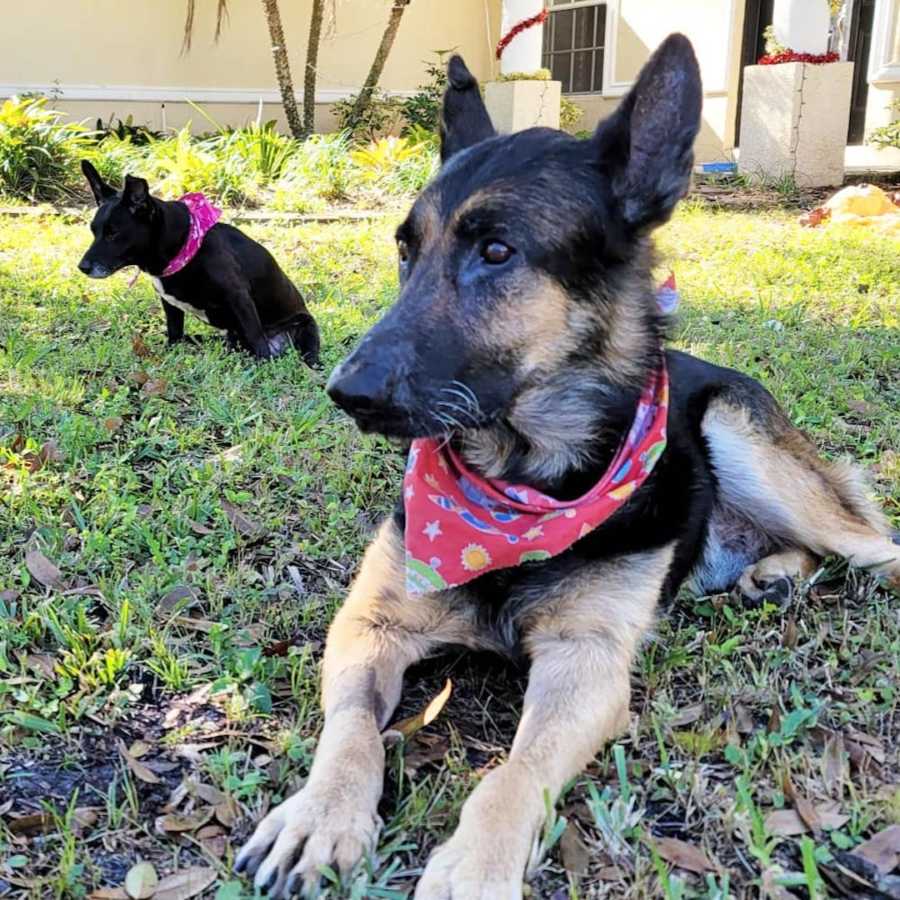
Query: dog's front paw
[319, 826]
[462, 870]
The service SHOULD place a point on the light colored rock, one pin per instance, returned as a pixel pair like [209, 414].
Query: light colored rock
[802, 25]
[516, 105]
[794, 122]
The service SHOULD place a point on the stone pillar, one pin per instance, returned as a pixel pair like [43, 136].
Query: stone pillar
[794, 120]
[522, 103]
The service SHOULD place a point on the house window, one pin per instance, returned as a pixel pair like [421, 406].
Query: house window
[574, 40]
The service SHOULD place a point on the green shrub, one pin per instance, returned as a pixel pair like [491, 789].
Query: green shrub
[380, 117]
[570, 114]
[38, 151]
[888, 135]
[422, 111]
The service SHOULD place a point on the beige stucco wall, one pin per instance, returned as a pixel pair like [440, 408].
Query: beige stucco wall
[110, 56]
[714, 27]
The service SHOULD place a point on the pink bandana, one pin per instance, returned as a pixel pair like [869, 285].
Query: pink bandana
[203, 216]
[460, 525]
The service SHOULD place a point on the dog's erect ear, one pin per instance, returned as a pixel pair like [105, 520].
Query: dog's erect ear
[100, 189]
[464, 120]
[136, 194]
[646, 145]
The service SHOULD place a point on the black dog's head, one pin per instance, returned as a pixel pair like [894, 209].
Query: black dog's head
[123, 226]
[525, 265]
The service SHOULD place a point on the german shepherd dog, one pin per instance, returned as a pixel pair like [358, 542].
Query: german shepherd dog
[525, 327]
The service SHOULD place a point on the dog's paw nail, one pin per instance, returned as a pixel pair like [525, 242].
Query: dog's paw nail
[780, 591]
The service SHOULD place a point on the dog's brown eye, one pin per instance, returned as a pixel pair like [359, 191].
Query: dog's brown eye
[496, 253]
[403, 250]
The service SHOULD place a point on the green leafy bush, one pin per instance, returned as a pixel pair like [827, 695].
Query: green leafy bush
[888, 135]
[570, 114]
[379, 118]
[422, 111]
[39, 151]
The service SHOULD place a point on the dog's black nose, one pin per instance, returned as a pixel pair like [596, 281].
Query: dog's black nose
[85, 266]
[360, 388]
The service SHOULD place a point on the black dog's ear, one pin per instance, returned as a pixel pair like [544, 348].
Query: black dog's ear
[646, 145]
[136, 194]
[100, 189]
[464, 119]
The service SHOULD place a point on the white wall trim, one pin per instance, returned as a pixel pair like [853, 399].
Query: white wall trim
[883, 68]
[151, 94]
[613, 88]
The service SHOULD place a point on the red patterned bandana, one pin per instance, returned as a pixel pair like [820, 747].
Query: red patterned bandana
[203, 216]
[460, 525]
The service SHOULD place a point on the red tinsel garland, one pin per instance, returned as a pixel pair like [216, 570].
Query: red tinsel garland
[519, 27]
[787, 56]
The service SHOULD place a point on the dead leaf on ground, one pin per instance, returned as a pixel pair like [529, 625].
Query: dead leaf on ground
[141, 881]
[869, 745]
[50, 452]
[683, 855]
[184, 884]
[814, 217]
[422, 750]
[834, 766]
[742, 719]
[197, 528]
[108, 893]
[203, 625]
[227, 812]
[42, 569]
[30, 823]
[788, 822]
[175, 597]
[113, 423]
[9, 596]
[139, 377]
[43, 662]
[408, 727]
[882, 850]
[241, 523]
[174, 823]
[575, 855]
[772, 890]
[139, 749]
[790, 635]
[687, 716]
[138, 769]
[140, 348]
[207, 793]
[154, 387]
[84, 819]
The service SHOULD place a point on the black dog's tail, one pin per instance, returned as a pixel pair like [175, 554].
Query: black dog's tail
[305, 337]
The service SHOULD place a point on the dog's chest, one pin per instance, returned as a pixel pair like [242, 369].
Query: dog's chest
[180, 304]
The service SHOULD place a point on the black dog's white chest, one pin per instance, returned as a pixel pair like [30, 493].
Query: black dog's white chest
[180, 304]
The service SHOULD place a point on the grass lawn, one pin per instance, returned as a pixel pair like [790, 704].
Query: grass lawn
[197, 517]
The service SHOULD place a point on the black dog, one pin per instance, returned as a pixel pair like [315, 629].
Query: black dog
[232, 282]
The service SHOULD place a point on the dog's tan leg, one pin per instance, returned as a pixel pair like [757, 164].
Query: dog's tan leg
[581, 641]
[375, 636]
[774, 577]
[772, 473]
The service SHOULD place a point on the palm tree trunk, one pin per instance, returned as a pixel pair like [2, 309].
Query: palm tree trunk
[387, 41]
[312, 61]
[282, 67]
